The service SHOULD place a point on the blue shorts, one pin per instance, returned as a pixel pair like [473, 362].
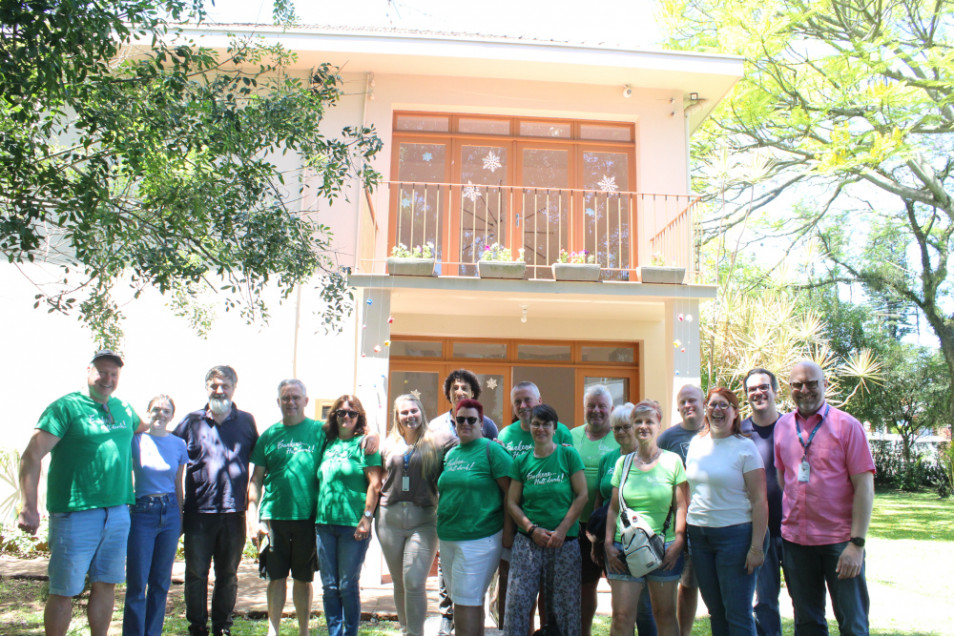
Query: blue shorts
[659, 575]
[87, 542]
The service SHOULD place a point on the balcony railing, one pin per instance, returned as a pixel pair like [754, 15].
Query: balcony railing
[622, 231]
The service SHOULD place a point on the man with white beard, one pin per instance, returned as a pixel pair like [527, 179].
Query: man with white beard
[219, 438]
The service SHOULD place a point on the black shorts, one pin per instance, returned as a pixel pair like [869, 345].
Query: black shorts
[591, 571]
[292, 549]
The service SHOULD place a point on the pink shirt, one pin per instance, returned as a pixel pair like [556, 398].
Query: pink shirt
[819, 512]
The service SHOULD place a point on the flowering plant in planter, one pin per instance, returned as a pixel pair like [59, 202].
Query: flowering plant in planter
[577, 258]
[420, 251]
[498, 253]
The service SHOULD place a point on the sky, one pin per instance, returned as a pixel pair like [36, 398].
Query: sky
[624, 22]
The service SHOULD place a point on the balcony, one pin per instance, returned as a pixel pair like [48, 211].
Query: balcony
[622, 231]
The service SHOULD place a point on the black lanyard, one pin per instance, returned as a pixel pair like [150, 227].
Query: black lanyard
[798, 429]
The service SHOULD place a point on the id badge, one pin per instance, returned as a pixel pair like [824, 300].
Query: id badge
[405, 483]
[804, 471]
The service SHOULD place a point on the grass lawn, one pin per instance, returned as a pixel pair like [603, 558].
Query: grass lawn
[910, 558]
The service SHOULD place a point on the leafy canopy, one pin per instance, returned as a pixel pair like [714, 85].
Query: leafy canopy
[126, 150]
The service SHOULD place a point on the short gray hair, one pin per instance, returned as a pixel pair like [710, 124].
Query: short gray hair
[224, 371]
[598, 389]
[526, 384]
[621, 414]
[292, 382]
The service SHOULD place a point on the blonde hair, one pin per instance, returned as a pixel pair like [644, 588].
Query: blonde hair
[424, 444]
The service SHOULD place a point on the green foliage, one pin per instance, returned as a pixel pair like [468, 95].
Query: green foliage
[836, 145]
[946, 460]
[418, 251]
[128, 151]
[914, 474]
[499, 253]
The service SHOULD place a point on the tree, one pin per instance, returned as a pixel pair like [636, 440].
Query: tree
[129, 152]
[848, 106]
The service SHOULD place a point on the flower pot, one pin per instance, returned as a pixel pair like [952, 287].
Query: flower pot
[667, 275]
[501, 269]
[411, 266]
[576, 271]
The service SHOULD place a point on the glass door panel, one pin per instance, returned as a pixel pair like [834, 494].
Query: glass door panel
[484, 205]
[545, 203]
[556, 389]
[606, 222]
[424, 384]
[420, 201]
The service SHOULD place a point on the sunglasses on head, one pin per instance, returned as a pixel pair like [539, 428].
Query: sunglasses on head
[346, 413]
[470, 419]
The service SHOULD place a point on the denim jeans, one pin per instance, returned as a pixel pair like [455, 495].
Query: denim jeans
[340, 557]
[153, 537]
[718, 556]
[218, 537]
[807, 569]
[767, 585]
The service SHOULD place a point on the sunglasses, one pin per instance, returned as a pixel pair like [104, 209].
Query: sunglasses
[346, 413]
[470, 419]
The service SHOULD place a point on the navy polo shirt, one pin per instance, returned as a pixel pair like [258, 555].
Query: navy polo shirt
[217, 473]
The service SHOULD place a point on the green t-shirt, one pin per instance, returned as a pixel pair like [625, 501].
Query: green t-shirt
[518, 441]
[650, 493]
[290, 456]
[591, 453]
[606, 470]
[91, 465]
[547, 489]
[342, 484]
[471, 502]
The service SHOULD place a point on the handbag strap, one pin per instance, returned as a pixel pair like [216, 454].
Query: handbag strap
[627, 464]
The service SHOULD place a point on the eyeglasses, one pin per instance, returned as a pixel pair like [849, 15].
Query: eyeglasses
[719, 406]
[810, 385]
[470, 419]
[347, 413]
[763, 388]
[622, 428]
[539, 424]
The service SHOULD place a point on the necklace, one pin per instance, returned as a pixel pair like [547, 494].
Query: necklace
[651, 459]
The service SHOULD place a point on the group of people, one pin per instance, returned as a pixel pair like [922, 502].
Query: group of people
[534, 503]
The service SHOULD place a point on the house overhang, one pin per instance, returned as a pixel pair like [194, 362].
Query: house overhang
[709, 77]
[470, 296]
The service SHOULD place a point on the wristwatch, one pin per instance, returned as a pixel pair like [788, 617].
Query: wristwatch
[368, 514]
[858, 541]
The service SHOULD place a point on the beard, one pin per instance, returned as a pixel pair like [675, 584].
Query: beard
[220, 406]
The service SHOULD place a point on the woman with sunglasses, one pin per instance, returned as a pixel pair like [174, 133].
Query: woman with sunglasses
[547, 494]
[349, 484]
[406, 522]
[470, 516]
[728, 514]
[655, 488]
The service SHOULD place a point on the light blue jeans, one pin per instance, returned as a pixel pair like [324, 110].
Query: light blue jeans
[153, 538]
[718, 556]
[340, 557]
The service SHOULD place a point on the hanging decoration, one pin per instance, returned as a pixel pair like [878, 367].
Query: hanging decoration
[608, 184]
[491, 383]
[492, 161]
[470, 192]
[416, 393]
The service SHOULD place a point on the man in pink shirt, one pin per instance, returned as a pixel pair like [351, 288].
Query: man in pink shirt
[827, 474]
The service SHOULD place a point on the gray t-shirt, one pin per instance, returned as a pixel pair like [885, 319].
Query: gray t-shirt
[676, 439]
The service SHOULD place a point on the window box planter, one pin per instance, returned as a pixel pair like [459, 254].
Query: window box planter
[576, 271]
[666, 275]
[501, 269]
[411, 266]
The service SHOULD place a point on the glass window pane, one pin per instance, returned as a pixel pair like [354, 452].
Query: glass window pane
[416, 349]
[607, 210]
[420, 198]
[543, 352]
[484, 126]
[618, 388]
[493, 399]
[556, 129]
[483, 203]
[435, 123]
[608, 354]
[487, 350]
[556, 386]
[605, 132]
[423, 384]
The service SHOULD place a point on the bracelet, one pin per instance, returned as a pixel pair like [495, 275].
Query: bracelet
[531, 529]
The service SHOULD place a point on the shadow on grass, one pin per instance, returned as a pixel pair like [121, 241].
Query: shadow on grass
[917, 516]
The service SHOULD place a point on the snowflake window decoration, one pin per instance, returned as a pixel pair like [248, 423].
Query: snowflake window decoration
[470, 192]
[427, 157]
[416, 394]
[608, 184]
[491, 383]
[492, 161]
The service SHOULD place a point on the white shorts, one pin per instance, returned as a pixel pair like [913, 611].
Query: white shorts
[468, 567]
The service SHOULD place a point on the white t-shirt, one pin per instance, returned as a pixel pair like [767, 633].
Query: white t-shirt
[715, 468]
